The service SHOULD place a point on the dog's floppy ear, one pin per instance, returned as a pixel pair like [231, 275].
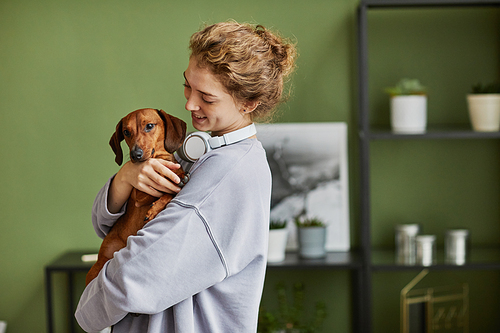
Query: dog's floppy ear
[175, 131]
[114, 142]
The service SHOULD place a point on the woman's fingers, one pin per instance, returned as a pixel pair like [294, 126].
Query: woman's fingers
[150, 187]
[158, 176]
[154, 176]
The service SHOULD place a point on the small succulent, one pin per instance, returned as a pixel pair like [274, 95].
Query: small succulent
[277, 224]
[407, 87]
[305, 222]
[492, 88]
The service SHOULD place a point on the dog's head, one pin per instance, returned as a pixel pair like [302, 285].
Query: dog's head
[147, 133]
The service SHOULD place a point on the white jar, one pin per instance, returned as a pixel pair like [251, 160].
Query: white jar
[405, 243]
[456, 244]
[409, 114]
[426, 250]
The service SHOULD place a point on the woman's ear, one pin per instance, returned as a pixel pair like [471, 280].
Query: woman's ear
[250, 106]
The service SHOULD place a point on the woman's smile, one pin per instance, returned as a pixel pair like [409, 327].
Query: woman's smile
[198, 119]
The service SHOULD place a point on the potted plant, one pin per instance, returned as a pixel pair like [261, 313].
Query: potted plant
[484, 107]
[291, 316]
[311, 237]
[408, 107]
[278, 236]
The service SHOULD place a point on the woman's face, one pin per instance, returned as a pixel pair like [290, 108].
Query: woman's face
[212, 108]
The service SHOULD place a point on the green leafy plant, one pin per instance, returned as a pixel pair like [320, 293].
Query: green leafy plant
[492, 88]
[291, 316]
[407, 87]
[306, 222]
[277, 224]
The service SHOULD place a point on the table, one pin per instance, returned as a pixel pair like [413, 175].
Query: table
[68, 263]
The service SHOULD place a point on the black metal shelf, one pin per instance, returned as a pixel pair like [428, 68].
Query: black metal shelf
[333, 260]
[71, 261]
[433, 132]
[487, 258]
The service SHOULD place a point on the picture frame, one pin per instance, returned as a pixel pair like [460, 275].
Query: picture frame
[309, 165]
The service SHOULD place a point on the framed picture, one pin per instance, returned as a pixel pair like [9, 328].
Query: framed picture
[308, 163]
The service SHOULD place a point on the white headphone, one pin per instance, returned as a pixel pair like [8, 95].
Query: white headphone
[198, 143]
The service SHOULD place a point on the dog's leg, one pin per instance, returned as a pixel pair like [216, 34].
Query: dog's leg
[162, 202]
[115, 240]
[108, 247]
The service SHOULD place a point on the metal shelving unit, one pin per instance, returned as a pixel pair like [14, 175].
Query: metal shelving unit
[383, 260]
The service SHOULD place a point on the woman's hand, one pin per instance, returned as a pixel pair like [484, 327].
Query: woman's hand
[149, 176]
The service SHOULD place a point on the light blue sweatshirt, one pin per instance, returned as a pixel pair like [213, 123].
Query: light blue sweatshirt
[198, 266]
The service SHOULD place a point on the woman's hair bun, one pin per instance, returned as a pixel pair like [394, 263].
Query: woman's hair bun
[283, 50]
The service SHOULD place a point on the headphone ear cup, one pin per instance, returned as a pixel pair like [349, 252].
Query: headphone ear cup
[195, 145]
[198, 143]
[181, 154]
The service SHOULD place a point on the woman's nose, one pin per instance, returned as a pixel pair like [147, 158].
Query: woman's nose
[191, 104]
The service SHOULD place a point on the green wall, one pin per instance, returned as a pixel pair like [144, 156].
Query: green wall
[69, 70]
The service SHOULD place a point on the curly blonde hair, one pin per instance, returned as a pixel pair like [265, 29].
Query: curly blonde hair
[251, 62]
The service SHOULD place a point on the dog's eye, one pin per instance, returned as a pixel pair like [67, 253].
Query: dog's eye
[126, 133]
[149, 127]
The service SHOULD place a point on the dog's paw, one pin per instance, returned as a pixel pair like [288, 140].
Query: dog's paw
[152, 212]
[149, 215]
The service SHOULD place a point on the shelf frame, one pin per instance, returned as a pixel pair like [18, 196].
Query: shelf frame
[368, 133]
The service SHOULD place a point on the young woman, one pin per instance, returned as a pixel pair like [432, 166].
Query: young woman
[199, 266]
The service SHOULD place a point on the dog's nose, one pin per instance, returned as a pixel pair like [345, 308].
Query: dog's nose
[136, 154]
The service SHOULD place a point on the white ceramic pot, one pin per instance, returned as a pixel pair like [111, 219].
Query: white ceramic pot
[409, 114]
[484, 112]
[277, 245]
[312, 242]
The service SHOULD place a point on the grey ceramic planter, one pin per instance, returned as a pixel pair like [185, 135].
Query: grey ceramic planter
[312, 242]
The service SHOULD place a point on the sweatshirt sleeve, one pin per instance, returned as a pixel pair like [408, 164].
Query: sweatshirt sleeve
[102, 219]
[172, 258]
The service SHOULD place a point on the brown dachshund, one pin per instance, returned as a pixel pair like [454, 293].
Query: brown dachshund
[148, 133]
